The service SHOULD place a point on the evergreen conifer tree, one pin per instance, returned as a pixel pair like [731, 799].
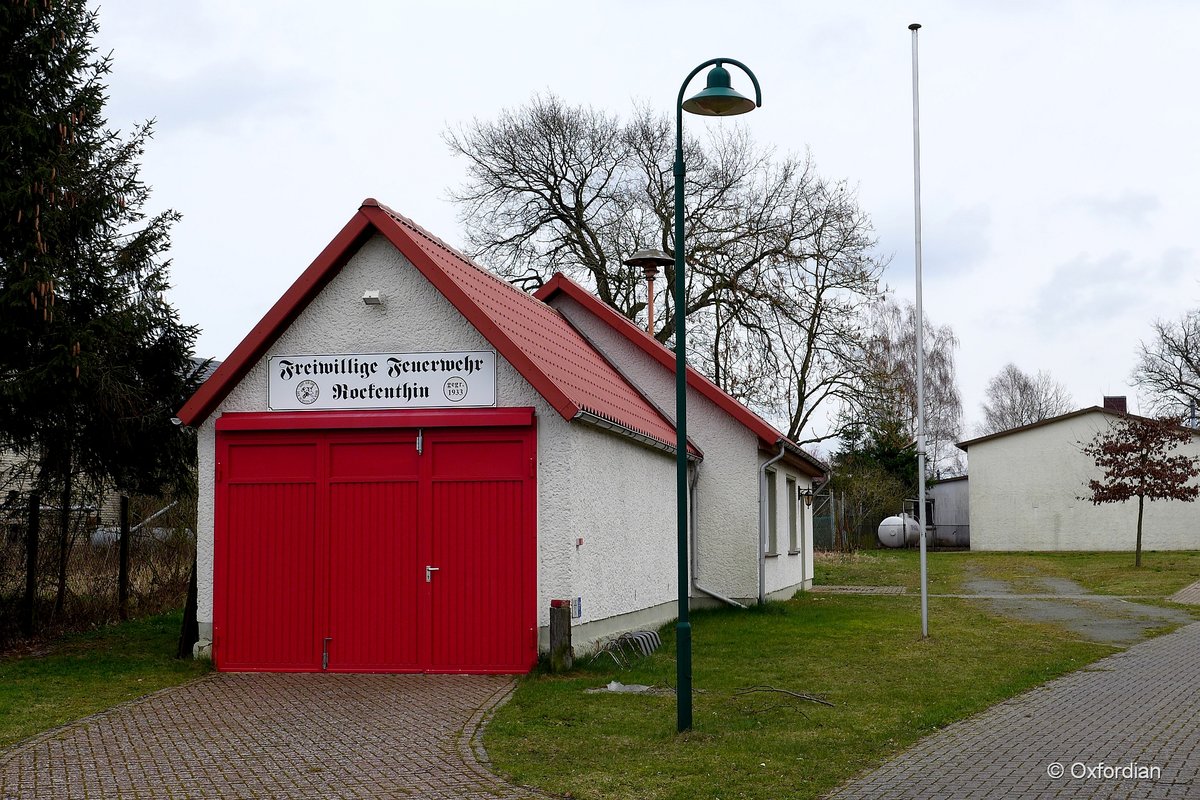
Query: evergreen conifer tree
[94, 359]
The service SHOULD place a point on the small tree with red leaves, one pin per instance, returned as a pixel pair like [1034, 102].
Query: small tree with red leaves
[1135, 456]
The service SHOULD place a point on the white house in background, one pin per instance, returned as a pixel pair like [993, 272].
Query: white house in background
[1025, 486]
[407, 459]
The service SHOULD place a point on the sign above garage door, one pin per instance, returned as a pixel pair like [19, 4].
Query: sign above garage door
[381, 380]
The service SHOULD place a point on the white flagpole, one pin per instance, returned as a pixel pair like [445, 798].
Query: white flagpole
[920, 332]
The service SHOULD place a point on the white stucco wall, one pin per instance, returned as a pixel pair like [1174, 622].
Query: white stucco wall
[591, 483]
[789, 569]
[621, 505]
[1024, 489]
[727, 483]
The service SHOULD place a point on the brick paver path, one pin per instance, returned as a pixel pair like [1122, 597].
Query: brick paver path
[1139, 707]
[1188, 594]
[274, 736]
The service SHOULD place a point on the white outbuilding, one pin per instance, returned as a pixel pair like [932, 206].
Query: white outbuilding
[1026, 484]
[407, 459]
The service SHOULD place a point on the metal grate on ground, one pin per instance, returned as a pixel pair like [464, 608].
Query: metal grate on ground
[858, 589]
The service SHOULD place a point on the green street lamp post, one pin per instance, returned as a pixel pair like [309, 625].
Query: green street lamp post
[718, 99]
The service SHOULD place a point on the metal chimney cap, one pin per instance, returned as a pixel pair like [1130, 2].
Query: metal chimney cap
[648, 258]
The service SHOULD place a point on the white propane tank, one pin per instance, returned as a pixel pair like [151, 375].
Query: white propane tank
[898, 531]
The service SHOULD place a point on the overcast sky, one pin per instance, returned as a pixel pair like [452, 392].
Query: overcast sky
[1060, 141]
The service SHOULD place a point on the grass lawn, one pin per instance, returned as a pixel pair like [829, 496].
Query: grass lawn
[891, 568]
[86, 673]
[1161, 573]
[862, 653]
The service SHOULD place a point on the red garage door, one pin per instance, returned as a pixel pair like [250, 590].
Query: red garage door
[381, 550]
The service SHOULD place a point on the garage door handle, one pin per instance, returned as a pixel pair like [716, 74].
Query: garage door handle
[325, 652]
[429, 574]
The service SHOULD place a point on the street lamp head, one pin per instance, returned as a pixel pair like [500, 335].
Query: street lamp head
[718, 98]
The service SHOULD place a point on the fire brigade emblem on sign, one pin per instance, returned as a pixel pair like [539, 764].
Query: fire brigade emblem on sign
[307, 392]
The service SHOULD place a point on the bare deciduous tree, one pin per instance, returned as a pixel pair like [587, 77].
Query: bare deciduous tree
[1015, 398]
[891, 357]
[1168, 368]
[779, 260]
[1134, 455]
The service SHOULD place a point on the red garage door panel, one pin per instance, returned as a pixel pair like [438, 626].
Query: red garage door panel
[373, 558]
[267, 601]
[367, 551]
[478, 460]
[379, 461]
[478, 624]
[266, 463]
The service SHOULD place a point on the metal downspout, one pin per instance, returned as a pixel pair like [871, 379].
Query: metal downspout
[692, 532]
[762, 525]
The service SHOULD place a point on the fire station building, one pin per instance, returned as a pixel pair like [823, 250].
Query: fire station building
[407, 459]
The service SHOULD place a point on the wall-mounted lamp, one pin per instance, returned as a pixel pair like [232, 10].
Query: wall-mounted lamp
[371, 297]
[807, 494]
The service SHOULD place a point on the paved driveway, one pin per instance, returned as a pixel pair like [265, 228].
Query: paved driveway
[274, 736]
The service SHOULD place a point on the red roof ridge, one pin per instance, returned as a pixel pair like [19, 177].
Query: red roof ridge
[437, 240]
[517, 355]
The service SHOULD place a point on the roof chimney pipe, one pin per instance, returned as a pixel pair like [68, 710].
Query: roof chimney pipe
[1116, 404]
[649, 261]
[651, 272]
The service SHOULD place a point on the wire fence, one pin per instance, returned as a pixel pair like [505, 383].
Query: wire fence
[77, 570]
[835, 530]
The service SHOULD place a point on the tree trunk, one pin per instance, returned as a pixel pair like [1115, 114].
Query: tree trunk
[32, 533]
[64, 542]
[189, 634]
[1137, 558]
[123, 563]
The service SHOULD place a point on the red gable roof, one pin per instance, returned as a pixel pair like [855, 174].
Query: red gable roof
[768, 435]
[543, 347]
